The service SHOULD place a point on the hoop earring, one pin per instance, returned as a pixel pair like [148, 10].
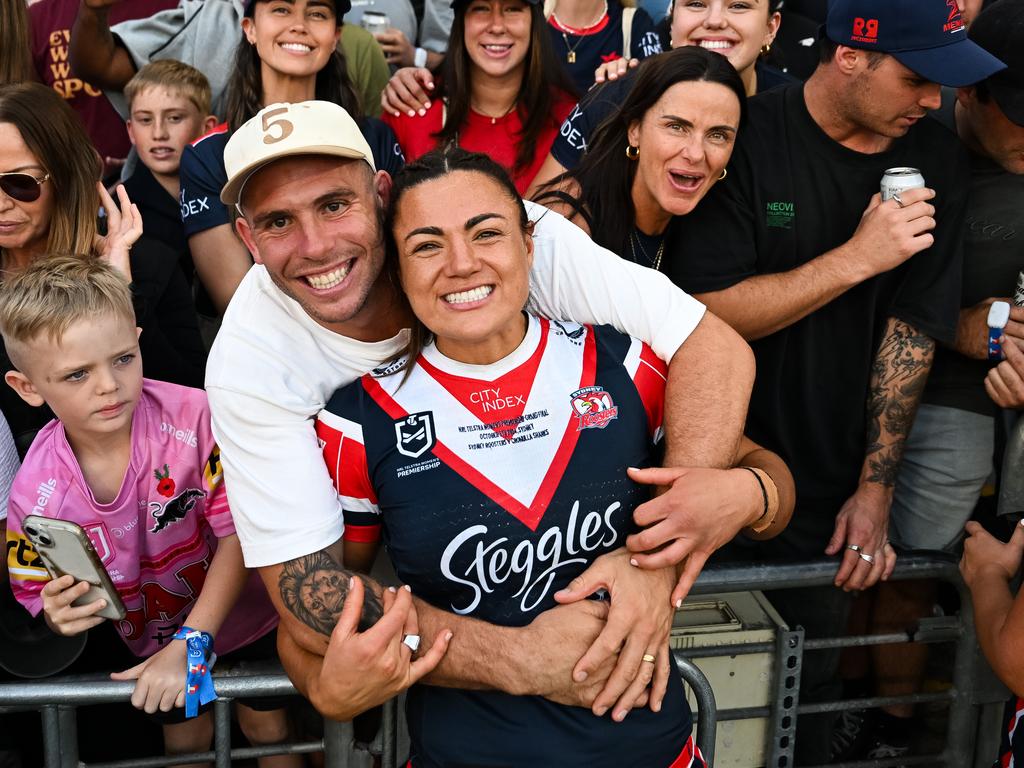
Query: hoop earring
[632, 152]
[725, 172]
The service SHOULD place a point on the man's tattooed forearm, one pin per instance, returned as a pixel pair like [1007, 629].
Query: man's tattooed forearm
[898, 376]
[314, 587]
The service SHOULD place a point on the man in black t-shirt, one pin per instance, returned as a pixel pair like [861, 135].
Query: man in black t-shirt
[949, 451]
[842, 295]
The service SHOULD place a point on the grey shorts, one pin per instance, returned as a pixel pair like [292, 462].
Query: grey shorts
[947, 460]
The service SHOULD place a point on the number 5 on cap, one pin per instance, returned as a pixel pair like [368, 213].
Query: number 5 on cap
[269, 123]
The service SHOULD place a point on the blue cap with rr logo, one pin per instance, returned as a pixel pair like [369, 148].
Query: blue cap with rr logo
[926, 36]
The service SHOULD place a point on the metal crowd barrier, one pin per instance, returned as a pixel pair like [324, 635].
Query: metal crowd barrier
[57, 699]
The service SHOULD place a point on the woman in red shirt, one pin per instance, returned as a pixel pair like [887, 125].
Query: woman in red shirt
[502, 91]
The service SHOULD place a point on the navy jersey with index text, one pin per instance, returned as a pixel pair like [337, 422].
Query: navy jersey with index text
[492, 488]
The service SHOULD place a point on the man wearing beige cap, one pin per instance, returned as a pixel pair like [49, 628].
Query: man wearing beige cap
[315, 314]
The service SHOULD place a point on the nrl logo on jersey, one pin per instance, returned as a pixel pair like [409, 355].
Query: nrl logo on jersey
[594, 407]
[415, 434]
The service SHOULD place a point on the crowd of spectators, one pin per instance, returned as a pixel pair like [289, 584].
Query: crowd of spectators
[555, 300]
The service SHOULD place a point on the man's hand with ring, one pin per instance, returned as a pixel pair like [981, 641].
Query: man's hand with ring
[862, 535]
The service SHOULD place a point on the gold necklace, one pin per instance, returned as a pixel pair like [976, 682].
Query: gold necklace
[655, 263]
[494, 119]
[570, 56]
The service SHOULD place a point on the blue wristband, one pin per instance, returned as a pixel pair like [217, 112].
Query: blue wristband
[198, 681]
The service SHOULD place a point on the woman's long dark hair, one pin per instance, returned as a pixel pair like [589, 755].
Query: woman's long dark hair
[433, 165]
[245, 87]
[543, 78]
[605, 175]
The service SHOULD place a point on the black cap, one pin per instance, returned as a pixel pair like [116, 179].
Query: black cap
[999, 29]
[341, 7]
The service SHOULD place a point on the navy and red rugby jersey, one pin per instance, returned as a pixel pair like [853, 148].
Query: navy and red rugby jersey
[1011, 747]
[492, 488]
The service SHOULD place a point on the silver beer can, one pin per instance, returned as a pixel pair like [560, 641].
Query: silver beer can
[375, 22]
[897, 180]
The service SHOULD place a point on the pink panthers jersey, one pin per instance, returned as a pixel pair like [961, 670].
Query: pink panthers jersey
[158, 537]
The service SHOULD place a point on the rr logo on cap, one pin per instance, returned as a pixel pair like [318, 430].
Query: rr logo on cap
[865, 30]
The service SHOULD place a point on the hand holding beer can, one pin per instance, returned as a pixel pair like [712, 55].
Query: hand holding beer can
[896, 181]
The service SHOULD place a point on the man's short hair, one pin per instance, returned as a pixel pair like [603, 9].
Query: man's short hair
[827, 51]
[175, 76]
[54, 292]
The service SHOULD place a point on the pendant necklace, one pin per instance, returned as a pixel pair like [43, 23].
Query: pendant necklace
[654, 263]
[582, 32]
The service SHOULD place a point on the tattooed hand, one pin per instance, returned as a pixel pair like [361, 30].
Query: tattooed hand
[898, 377]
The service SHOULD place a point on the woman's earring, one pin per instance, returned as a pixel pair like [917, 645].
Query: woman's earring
[725, 172]
[765, 49]
[632, 152]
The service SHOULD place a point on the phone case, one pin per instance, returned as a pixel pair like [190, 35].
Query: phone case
[69, 551]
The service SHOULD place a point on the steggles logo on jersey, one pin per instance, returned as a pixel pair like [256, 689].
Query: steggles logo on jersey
[496, 561]
[415, 434]
[593, 406]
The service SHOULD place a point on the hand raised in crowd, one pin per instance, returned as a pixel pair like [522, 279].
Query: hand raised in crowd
[63, 617]
[161, 679]
[701, 510]
[1005, 382]
[406, 91]
[124, 227]
[638, 623]
[613, 70]
[889, 234]
[985, 554]
[863, 522]
[385, 664]
[396, 46]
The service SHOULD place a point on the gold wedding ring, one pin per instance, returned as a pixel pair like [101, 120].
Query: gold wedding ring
[649, 658]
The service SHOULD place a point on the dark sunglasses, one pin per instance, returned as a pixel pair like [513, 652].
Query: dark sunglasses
[23, 187]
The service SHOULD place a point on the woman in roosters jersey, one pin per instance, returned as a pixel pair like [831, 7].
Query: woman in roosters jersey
[491, 460]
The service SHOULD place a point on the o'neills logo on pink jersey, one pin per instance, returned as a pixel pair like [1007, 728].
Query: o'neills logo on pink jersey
[533, 565]
[44, 491]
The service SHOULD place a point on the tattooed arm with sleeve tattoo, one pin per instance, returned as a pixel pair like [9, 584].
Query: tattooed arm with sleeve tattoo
[320, 600]
[898, 376]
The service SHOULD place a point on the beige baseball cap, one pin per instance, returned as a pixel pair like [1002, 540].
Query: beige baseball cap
[282, 130]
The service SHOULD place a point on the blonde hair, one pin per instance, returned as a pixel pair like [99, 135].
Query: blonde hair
[54, 292]
[60, 144]
[175, 76]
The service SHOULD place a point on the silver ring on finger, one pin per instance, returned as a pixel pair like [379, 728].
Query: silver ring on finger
[898, 200]
[870, 559]
[412, 642]
[854, 548]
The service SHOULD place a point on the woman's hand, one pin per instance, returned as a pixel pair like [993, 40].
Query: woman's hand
[124, 227]
[63, 617]
[161, 679]
[613, 70]
[396, 46]
[406, 91]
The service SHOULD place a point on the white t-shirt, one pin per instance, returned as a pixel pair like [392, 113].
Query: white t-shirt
[273, 368]
[9, 464]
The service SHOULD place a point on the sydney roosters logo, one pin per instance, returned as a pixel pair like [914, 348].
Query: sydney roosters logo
[954, 22]
[594, 408]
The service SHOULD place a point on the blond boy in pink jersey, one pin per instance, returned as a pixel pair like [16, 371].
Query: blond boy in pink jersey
[134, 463]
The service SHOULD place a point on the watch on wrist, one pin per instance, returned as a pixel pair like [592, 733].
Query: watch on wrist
[998, 317]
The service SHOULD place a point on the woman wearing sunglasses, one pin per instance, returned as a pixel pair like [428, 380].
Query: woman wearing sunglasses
[50, 202]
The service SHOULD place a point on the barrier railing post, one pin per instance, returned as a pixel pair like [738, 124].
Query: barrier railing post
[960, 730]
[707, 711]
[389, 734]
[222, 732]
[789, 657]
[67, 722]
[337, 744]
